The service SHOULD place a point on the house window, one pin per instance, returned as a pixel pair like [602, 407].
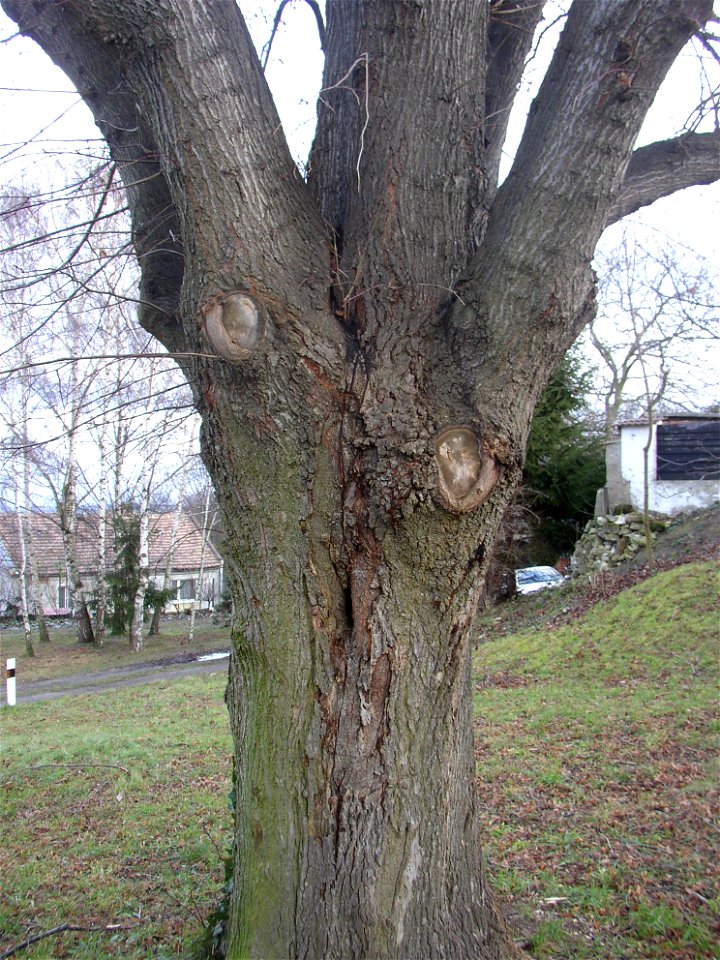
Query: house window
[63, 596]
[187, 590]
[688, 450]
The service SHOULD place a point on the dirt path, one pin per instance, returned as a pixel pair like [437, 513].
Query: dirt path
[114, 678]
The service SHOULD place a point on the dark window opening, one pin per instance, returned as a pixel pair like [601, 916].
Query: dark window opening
[688, 450]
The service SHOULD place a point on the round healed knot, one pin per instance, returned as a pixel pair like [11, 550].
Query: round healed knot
[465, 475]
[234, 324]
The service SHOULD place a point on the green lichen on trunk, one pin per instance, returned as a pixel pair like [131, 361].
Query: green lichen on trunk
[349, 698]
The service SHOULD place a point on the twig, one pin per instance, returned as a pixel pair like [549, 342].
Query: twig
[276, 23]
[63, 928]
[213, 841]
[114, 766]
[313, 4]
[367, 117]
[200, 915]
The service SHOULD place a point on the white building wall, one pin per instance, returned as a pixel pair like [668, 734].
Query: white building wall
[210, 591]
[666, 496]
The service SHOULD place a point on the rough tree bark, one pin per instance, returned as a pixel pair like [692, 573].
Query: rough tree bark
[369, 347]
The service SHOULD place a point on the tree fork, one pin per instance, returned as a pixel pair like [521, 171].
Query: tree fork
[364, 443]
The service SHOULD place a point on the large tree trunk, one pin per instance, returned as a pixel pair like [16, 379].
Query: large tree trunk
[366, 350]
[351, 708]
[350, 691]
[350, 700]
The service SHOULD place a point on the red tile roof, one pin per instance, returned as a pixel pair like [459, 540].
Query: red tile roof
[50, 555]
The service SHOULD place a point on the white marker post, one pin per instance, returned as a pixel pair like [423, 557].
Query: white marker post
[10, 699]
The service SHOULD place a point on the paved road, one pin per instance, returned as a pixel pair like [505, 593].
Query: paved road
[113, 679]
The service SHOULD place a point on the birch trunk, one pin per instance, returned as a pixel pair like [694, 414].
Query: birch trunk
[22, 576]
[136, 626]
[28, 540]
[151, 454]
[67, 506]
[101, 591]
[138, 614]
[168, 570]
[208, 524]
[68, 528]
[40, 619]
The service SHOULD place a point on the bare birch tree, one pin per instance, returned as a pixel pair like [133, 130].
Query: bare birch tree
[177, 516]
[23, 575]
[659, 315]
[208, 521]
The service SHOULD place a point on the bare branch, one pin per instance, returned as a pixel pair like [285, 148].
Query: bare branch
[145, 355]
[662, 168]
[597, 90]
[80, 766]
[97, 74]
[62, 928]
[276, 23]
[60, 232]
[510, 38]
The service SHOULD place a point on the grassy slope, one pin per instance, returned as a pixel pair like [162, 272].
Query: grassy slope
[596, 778]
[598, 773]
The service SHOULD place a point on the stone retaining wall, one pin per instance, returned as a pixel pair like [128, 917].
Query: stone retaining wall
[607, 541]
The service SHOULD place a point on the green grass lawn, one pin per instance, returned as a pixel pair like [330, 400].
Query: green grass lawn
[64, 655]
[115, 811]
[596, 768]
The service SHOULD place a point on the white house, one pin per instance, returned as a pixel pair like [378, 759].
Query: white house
[196, 574]
[683, 465]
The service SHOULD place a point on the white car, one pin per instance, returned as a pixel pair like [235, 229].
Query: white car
[533, 579]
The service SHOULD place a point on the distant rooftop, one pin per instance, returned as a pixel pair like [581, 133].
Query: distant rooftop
[50, 554]
[667, 418]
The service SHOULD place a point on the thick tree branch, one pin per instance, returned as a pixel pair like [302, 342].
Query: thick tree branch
[510, 38]
[179, 93]
[90, 63]
[533, 270]
[397, 170]
[662, 168]
[230, 173]
[405, 82]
